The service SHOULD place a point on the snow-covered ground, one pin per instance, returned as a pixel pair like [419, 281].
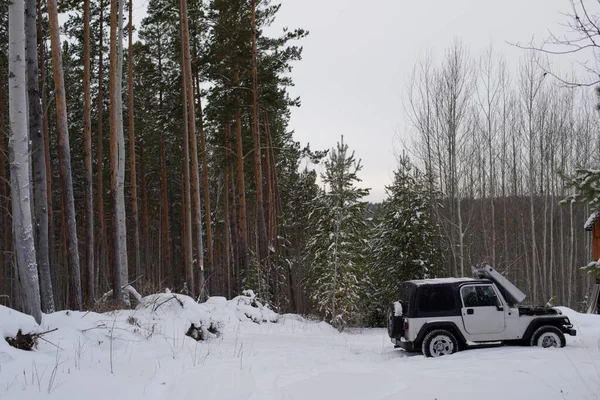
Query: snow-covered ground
[144, 354]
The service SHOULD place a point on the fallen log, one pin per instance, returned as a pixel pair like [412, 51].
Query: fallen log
[26, 341]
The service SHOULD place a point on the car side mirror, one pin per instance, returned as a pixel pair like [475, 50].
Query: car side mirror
[499, 308]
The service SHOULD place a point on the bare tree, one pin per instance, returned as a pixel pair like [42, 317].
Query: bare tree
[583, 38]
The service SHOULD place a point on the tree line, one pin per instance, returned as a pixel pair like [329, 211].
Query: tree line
[499, 143]
[170, 163]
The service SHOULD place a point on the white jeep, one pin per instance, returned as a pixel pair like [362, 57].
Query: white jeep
[443, 316]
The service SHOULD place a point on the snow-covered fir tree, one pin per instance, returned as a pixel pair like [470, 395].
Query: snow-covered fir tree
[337, 247]
[404, 242]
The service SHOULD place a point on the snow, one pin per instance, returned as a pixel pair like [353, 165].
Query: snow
[11, 322]
[293, 358]
[589, 224]
[440, 281]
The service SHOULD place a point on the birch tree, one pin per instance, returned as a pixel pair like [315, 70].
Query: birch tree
[117, 152]
[25, 255]
[132, 169]
[39, 160]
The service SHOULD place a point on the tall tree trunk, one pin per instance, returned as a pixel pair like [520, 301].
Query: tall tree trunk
[186, 195]
[87, 134]
[145, 247]
[263, 247]
[46, 133]
[134, 200]
[235, 237]
[573, 256]
[3, 200]
[227, 229]
[243, 230]
[39, 161]
[195, 178]
[101, 237]
[64, 156]
[19, 163]
[269, 191]
[120, 275]
[121, 153]
[276, 208]
[209, 236]
[166, 244]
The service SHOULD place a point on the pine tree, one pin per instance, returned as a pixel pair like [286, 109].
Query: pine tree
[404, 240]
[339, 241]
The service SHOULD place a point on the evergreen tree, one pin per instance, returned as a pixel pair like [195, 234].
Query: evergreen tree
[404, 239]
[339, 241]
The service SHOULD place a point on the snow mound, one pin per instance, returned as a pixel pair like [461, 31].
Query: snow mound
[248, 306]
[183, 315]
[11, 322]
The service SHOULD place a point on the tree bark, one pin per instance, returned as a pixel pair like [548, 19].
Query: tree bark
[3, 200]
[25, 255]
[117, 155]
[209, 235]
[87, 134]
[235, 237]
[227, 229]
[186, 195]
[39, 161]
[122, 218]
[134, 200]
[243, 230]
[46, 133]
[195, 178]
[165, 215]
[263, 246]
[101, 238]
[64, 155]
[145, 246]
[233, 228]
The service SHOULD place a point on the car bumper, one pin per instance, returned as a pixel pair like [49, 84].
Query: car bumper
[570, 331]
[408, 346]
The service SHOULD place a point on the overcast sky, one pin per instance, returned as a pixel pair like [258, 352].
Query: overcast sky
[359, 56]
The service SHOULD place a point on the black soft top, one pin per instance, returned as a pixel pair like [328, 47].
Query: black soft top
[447, 303]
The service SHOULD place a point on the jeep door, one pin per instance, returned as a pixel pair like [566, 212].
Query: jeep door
[482, 311]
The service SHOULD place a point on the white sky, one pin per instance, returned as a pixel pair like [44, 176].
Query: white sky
[359, 56]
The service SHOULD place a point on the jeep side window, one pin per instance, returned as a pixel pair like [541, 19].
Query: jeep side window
[436, 298]
[479, 296]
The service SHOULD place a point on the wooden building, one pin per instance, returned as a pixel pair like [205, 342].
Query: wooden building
[593, 225]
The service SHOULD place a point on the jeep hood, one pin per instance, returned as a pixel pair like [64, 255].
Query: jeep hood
[511, 293]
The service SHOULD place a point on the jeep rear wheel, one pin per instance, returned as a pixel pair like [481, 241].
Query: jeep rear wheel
[548, 336]
[439, 342]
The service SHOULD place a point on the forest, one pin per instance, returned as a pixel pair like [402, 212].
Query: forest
[128, 167]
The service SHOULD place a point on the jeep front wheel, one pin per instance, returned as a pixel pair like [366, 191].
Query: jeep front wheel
[439, 342]
[548, 336]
